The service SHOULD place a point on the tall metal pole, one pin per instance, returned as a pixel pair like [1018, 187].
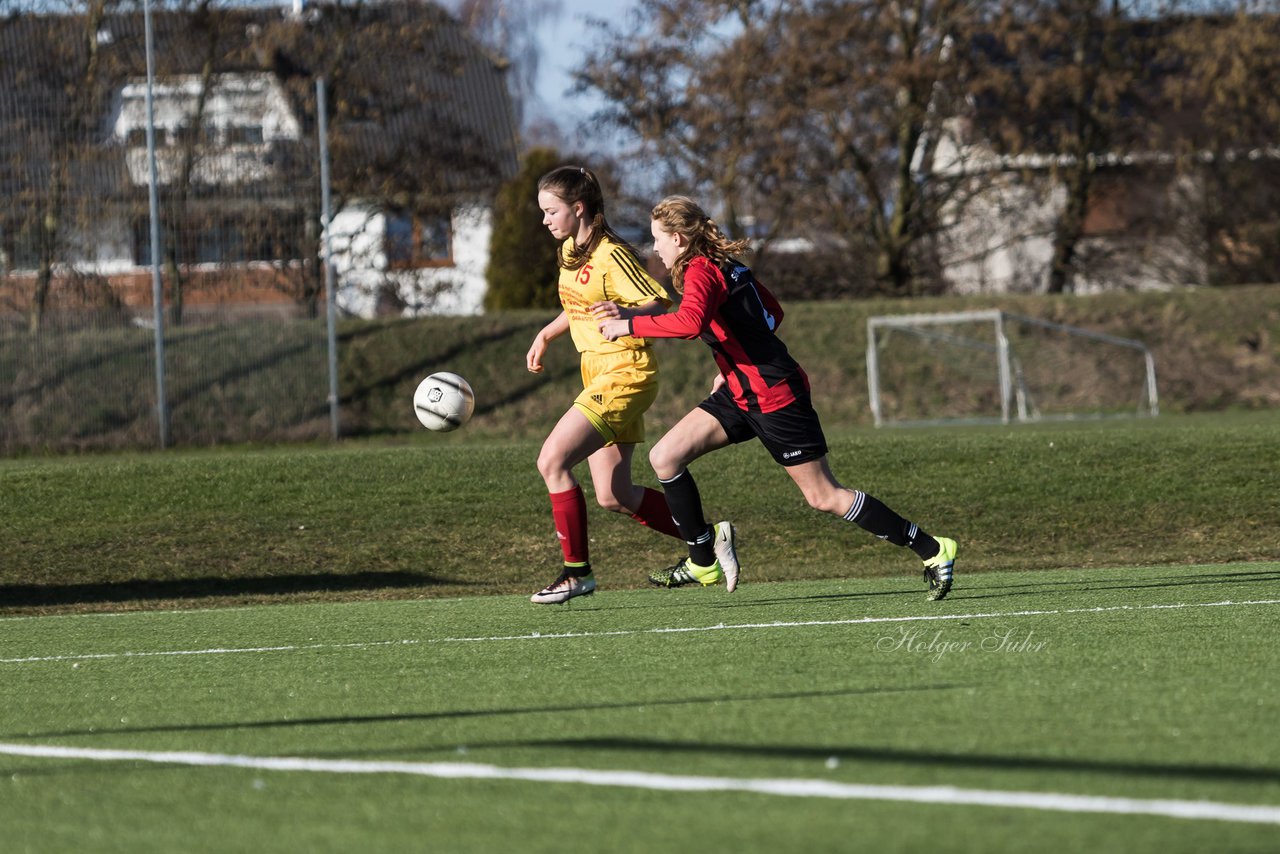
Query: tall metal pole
[330, 284]
[157, 290]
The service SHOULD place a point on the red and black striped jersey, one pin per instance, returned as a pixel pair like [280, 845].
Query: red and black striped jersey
[738, 318]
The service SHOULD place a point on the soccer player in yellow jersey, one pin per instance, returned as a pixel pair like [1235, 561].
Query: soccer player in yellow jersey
[619, 378]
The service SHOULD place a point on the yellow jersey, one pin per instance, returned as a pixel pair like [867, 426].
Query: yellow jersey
[611, 273]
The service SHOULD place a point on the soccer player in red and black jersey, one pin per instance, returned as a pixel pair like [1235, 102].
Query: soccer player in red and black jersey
[761, 392]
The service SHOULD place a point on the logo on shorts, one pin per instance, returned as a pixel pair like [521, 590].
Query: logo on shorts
[786, 455]
[598, 398]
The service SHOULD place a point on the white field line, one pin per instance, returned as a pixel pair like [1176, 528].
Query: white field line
[792, 788]
[91, 656]
[855, 621]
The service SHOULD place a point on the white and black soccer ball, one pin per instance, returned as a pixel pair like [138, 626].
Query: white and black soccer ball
[444, 401]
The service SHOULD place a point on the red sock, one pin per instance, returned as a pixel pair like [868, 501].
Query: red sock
[569, 509]
[655, 514]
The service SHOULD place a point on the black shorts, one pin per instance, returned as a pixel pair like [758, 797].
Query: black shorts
[793, 434]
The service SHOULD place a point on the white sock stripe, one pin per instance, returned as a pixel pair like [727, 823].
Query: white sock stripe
[793, 788]
[856, 507]
[678, 475]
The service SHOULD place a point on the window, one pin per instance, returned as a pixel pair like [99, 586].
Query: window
[187, 134]
[260, 236]
[244, 135]
[19, 246]
[418, 241]
[219, 241]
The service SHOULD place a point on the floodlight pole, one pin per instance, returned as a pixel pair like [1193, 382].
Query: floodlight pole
[330, 285]
[157, 289]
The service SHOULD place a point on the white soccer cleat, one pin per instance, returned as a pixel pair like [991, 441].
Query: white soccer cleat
[565, 588]
[727, 555]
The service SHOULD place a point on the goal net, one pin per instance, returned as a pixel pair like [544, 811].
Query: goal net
[993, 367]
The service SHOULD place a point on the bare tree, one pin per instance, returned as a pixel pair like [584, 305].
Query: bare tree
[868, 85]
[819, 116]
[1230, 92]
[204, 21]
[682, 76]
[66, 64]
[1063, 80]
[509, 28]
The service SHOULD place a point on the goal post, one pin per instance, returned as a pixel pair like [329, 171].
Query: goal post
[994, 366]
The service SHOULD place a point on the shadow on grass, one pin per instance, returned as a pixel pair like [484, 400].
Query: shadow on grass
[971, 761]
[699, 599]
[651, 746]
[32, 595]
[1140, 582]
[456, 714]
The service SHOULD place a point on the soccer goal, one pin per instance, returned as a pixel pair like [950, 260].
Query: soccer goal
[997, 367]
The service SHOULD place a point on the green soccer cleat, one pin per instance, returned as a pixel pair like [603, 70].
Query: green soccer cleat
[687, 572]
[938, 569]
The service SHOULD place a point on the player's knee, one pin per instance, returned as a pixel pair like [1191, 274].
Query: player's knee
[610, 502]
[664, 463]
[550, 465]
[822, 499]
[814, 501]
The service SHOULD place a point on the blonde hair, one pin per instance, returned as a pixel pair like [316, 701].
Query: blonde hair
[682, 215]
[573, 184]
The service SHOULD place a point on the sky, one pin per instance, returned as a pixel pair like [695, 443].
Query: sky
[562, 40]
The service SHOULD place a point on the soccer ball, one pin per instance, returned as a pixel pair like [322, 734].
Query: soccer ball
[444, 402]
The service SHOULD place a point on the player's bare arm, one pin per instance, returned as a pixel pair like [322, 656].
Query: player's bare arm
[610, 309]
[614, 319]
[548, 333]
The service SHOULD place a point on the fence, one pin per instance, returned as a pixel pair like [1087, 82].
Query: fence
[96, 142]
[214, 119]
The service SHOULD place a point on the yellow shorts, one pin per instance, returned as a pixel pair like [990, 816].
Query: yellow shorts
[617, 388]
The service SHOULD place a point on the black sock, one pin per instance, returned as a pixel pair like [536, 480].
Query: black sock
[577, 570]
[872, 515]
[685, 504]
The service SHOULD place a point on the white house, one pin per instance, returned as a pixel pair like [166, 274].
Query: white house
[1000, 238]
[395, 263]
[419, 158]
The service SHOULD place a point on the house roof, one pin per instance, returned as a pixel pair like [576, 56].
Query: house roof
[416, 108]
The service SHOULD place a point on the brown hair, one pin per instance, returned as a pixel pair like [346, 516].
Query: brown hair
[682, 215]
[573, 184]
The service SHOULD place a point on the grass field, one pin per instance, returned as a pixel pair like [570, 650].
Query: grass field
[1115, 709]
[1215, 349]
[1101, 676]
[441, 517]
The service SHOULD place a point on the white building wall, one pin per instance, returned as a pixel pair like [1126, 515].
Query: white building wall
[1000, 242]
[234, 101]
[1001, 239]
[366, 286]
[460, 289]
